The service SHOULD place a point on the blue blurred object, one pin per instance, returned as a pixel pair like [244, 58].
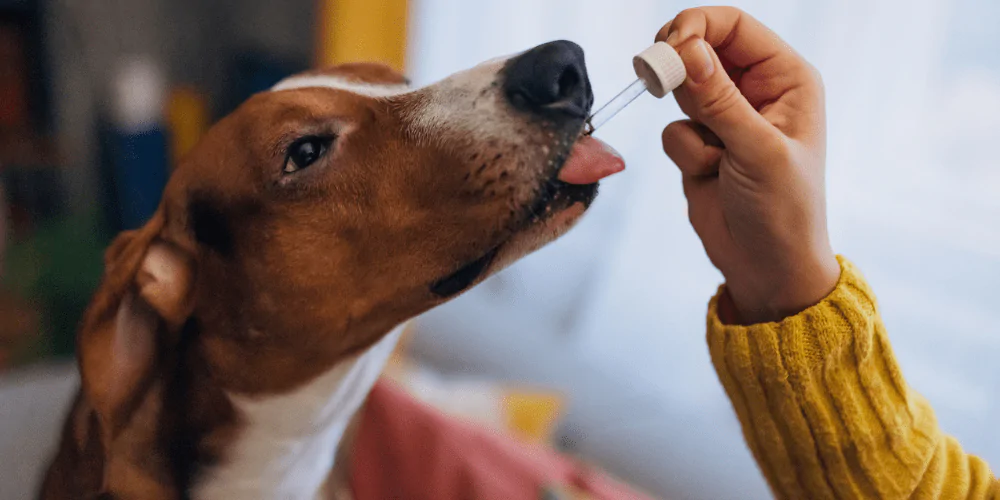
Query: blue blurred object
[140, 171]
[255, 71]
[134, 144]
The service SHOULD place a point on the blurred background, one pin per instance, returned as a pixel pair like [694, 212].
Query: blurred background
[98, 98]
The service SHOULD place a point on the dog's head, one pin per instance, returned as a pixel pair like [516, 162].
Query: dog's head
[320, 214]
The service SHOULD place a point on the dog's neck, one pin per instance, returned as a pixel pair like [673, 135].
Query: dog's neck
[288, 444]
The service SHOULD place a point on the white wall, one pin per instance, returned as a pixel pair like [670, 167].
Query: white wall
[614, 312]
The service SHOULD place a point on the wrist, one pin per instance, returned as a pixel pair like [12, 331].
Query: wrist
[777, 296]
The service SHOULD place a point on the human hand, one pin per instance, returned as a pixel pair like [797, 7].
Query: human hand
[752, 158]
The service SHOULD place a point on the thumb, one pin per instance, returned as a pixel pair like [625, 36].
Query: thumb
[714, 100]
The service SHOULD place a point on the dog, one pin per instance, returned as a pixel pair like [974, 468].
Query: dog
[235, 335]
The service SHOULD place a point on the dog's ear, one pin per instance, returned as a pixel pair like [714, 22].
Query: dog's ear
[146, 294]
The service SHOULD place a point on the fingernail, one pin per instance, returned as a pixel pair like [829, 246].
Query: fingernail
[698, 61]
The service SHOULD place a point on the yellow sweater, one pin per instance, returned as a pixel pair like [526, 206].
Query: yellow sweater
[826, 411]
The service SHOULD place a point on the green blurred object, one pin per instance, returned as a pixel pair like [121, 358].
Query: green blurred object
[59, 265]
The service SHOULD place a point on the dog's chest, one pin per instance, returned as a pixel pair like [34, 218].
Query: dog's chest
[288, 444]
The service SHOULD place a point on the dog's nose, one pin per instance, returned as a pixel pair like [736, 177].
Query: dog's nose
[550, 79]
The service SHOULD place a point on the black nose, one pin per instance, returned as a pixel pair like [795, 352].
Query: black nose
[550, 79]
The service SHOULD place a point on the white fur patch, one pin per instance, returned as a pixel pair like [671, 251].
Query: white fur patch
[467, 105]
[340, 83]
[288, 446]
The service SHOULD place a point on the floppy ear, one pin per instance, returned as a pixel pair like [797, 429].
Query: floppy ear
[146, 292]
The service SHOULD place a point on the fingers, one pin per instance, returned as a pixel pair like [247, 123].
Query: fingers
[693, 148]
[705, 211]
[736, 36]
[710, 97]
[764, 68]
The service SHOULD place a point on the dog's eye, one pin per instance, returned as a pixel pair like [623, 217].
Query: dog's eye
[305, 152]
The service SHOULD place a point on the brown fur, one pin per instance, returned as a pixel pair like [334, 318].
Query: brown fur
[251, 281]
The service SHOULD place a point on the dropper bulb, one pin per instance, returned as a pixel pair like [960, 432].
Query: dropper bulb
[660, 67]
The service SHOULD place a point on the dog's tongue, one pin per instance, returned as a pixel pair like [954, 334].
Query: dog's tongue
[590, 161]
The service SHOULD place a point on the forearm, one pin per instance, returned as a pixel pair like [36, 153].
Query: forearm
[826, 411]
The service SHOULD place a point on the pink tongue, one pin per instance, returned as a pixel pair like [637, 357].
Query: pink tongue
[590, 161]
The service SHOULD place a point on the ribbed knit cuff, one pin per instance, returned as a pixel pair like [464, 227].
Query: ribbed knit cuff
[824, 407]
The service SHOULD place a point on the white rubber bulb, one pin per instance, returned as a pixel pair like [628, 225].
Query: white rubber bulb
[660, 68]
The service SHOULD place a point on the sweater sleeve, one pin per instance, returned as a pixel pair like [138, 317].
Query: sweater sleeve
[826, 411]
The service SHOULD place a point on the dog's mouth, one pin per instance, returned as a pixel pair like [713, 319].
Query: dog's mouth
[575, 179]
[464, 277]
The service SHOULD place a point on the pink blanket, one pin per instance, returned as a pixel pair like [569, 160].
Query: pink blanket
[407, 450]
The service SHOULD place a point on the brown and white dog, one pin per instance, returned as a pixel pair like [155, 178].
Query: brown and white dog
[236, 334]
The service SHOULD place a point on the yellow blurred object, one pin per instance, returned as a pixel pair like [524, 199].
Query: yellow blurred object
[187, 114]
[532, 416]
[561, 492]
[362, 30]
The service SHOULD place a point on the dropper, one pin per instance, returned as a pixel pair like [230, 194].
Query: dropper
[659, 70]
